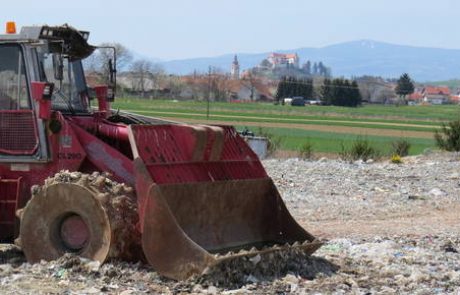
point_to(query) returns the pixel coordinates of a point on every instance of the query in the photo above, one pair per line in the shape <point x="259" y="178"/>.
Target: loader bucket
<point x="203" y="193"/>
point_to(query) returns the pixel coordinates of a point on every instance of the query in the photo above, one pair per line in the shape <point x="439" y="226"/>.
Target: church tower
<point x="235" y="71"/>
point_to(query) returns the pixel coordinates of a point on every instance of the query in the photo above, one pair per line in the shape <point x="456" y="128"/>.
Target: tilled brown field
<point x="327" y="128"/>
<point x="387" y="228"/>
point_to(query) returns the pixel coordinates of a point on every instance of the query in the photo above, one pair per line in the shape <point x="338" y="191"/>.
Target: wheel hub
<point x="74" y="232"/>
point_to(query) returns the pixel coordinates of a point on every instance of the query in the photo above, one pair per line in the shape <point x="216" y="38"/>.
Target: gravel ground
<point x="387" y="229"/>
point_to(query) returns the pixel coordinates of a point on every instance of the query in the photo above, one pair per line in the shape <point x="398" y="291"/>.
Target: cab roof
<point x="61" y="39"/>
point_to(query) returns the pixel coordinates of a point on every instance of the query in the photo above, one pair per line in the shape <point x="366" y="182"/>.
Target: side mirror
<point x="58" y="66"/>
<point x="112" y="80"/>
<point x="112" y="71"/>
<point x="42" y="93"/>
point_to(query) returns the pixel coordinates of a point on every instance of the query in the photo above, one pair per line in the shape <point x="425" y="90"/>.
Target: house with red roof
<point x="416" y="97"/>
<point x="249" y="90"/>
<point x="436" y="94"/>
<point x="455" y="97"/>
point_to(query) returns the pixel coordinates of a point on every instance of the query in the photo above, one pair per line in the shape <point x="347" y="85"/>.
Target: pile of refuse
<point x="412" y="257"/>
<point x="397" y="264"/>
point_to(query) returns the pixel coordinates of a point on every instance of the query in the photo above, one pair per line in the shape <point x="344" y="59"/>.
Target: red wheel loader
<point x="112" y="185"/>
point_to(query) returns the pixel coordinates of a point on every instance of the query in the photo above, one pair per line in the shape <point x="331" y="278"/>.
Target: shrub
<point x="360" y="149"/>
<point x="449" y="137"/>
<point x="306" y="150"/>
<point x="400" y="147"/>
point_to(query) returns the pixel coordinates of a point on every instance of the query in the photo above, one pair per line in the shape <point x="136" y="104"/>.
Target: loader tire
<point x="88" y="215"/>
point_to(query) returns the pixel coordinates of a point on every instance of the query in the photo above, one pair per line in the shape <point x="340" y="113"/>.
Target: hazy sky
<point x="176" y="29"/>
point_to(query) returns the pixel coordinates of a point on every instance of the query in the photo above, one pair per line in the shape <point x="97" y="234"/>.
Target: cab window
<point x="70" y="92"/>
<point x="13" y="84"/>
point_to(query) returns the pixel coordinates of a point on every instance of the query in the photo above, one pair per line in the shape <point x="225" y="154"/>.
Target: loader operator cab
<point x="48" y="54"/>
<point x="43" y="54"/>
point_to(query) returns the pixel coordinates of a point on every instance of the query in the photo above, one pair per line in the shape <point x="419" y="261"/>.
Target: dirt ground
<point x="424" y="223"/>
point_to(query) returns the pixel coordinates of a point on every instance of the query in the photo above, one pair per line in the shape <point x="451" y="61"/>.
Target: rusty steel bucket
<point x="204" y="198"/>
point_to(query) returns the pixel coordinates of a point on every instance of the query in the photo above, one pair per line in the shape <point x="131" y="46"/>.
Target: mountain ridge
<point x="348" y="59"/>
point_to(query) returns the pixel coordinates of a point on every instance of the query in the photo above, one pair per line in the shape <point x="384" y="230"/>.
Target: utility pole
<point x="209" y="93"/>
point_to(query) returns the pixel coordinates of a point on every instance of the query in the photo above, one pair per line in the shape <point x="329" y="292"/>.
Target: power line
<point x="337" y="86"/>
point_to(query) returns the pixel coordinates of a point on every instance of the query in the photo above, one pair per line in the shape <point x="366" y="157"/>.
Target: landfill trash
<point x="387" y="230"/>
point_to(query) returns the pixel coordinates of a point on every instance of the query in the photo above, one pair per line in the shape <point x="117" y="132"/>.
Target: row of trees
<point x="341" y="92"/>
<point x="344" y="92"/>
<point x="291" y="87"/>
<point x="316" y="69"/>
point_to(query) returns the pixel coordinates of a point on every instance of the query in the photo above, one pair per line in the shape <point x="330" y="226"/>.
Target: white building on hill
<point x="278" y="60"/>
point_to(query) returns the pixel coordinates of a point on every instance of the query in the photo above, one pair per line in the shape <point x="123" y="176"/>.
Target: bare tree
<point x="140" y="74"/>
<point x="157" y="73"/>
<point x="251" y="79"/>
<point x="145" y="75"/>
<point x="375" y="89"/>
<point x="218" y="84"/>
<point x="124" y="56"/>
<point x="175" y="85"/>
<point x="198" y="86"/>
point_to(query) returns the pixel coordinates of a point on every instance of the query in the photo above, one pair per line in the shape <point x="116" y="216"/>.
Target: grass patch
<point x="360" y="149"/>
<point x="290" y="120"/>
<point x="423" y="113"/>
<point x="400" y="147"/>
<point x="420" y="118"/>
<point x="274" y="141"/>
<point x="329" y="142"/>
<point x="306" y="150"/>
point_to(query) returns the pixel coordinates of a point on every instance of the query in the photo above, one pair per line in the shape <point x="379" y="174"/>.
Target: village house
<point x="455" y="97"/>
<point x="416" y="97"/>
<point x="432" y="95"/>
<point x="436" y="95"/>
<point x="244" y="90"/>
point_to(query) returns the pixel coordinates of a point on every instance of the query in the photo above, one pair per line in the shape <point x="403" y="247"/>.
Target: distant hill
<point x="357" y="58"/>
<point x="452" y="84"/>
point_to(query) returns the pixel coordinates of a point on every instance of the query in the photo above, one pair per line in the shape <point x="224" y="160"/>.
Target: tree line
<point x="292" y="87"/>
<point x="316" y="69"/>
<point x="341" y="92"/>
<point x="338" y="92"/>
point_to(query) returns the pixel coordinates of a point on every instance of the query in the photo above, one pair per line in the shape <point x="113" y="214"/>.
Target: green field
<point x="329" y="142"/>
<point x="326" y="127"/>
<point x="376" y="112"/>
